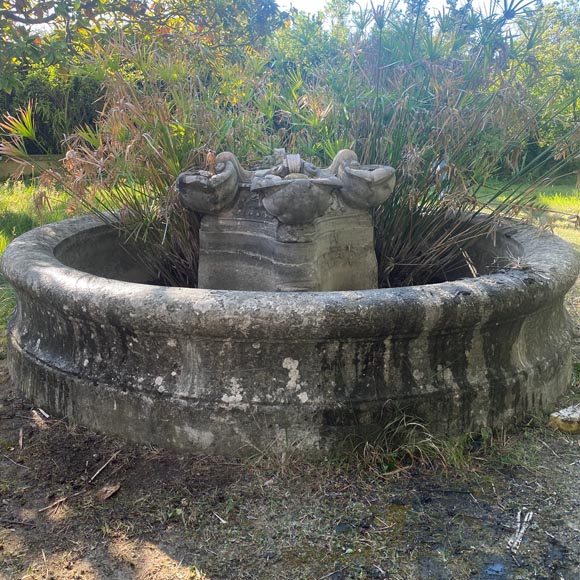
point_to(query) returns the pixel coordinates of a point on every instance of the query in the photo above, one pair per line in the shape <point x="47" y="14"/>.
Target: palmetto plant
<point x="445" y="103"/>
<point x="159" y="118"/>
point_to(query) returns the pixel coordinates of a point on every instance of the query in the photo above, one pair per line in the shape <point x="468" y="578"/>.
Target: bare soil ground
<point x="79" y="505"/>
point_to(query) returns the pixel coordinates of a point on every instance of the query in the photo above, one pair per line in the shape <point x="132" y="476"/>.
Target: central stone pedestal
<point x="293" y="227"/>
<point x="257" y="252"/>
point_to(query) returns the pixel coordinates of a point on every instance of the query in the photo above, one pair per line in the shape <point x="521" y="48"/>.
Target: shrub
<point x="62" y="103"/>
<point x="446" y="103"/>
<point x="158" y="119"/>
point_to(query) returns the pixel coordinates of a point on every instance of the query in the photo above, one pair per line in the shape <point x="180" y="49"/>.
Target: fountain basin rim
<point x="30" y="264"/>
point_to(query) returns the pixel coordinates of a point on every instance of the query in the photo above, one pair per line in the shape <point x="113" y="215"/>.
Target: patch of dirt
<point x="193" y="517"/>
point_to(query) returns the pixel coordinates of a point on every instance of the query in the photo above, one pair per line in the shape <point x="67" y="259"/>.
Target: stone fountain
<point x="287" y="341"/>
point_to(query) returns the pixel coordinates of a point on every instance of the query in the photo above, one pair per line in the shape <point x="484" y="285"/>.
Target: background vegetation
<point x="454" y="101"/>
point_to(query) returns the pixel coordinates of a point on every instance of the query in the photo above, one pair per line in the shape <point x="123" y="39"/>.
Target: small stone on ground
<point x="566" y="420"/>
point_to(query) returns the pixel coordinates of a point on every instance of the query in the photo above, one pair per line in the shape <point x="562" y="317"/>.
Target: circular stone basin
<point x="230" y="372"/>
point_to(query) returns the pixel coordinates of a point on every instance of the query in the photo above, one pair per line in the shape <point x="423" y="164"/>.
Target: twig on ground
<point x="388" y="474"/>
<point x="12" y="461"/>
<point x="17" y="523"/>
<point x="548" y="447"/>
<point x="521" y="527"/>
<point x="330" y="574"/>
<point x="384" y="526"/>
<point x="104" y="465"/>
<point x="59" y="502"/>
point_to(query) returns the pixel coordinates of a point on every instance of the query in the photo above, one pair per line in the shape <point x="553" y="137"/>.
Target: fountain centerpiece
<point x="288" y="341"/>
<point x="293" y="227"/>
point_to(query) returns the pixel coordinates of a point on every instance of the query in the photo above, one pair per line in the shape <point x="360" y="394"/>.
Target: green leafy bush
<point x="62" y="103"/>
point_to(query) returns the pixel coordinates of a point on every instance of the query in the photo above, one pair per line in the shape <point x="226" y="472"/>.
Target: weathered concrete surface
<point x="214" y="371"/>
<point x="293" y="227"/>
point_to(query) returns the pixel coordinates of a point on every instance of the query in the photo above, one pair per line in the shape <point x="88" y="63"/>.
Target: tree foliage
<point x="61" y="104"/>
<point x="557" y="61"/>
<point x="49" y="31"/>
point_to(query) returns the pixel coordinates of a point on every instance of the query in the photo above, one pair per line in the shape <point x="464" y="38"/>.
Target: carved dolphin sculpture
<point x="363" y="186"/>
<point x="295" y="192"/>
<point x="204" y="192"/>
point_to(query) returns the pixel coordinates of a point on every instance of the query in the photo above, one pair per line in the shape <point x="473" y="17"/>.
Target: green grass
<point x="560" y="197"/>
<point x="558" y="208"/>
<point x="21" y="209"/>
